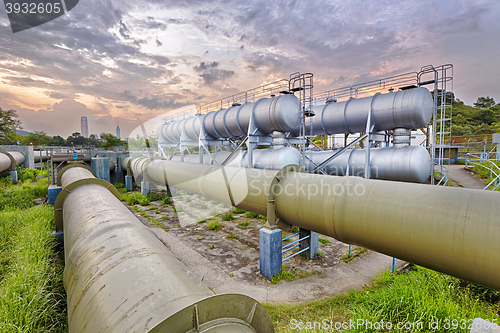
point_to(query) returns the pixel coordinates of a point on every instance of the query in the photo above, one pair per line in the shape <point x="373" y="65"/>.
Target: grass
<point x="232" y="236"/>
<point x="251" y="215"/>
<point x="355" y="252"/>
<point x="244" y="224"/>
<point x="31" y="294"/>
<point x="23" y="194"/>
<point x="283" y="276"/>
<point x="237" y="210"/>
<point x="323" y="241"/>
<point x="214" y="225"/>
<point x="204" y="206"/>
<point x="134" y="198"/>
<point x="418" y="295"/>
<point x="228" y="217"/>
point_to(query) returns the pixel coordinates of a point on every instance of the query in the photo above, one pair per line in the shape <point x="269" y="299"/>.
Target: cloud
<point x="211" y="74"/>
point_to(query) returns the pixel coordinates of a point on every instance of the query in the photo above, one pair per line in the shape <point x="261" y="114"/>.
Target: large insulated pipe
<point x="452" y="230"/>
<point x="280" y="113"/>
<point x="9" y="160"/>
<point x="408" y="164"/>
<point x="120" y="278"/>
<point x="403" y="109"/>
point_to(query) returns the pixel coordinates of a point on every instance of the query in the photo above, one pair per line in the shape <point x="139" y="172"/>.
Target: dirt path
<point x="464" y="178"/>
<point x="231" y="265"/>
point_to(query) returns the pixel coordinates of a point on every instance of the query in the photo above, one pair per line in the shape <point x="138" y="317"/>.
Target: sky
<point x="130" y="62"/>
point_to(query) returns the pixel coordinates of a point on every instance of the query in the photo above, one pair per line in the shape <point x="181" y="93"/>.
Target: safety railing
<point x="493" y="168"/>
<point x="293" y="245"/>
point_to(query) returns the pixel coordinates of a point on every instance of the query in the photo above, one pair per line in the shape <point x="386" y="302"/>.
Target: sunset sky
<point x="126" y="62"/>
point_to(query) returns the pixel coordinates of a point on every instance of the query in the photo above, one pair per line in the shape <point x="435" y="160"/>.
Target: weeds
<point x="244" y="224"/>
<point x="251" y="215"/>
<point x="237" y="210"/>
<point x="323" y="241"/>
<point x="214" y="225"/>
<point x="228" y="217"/>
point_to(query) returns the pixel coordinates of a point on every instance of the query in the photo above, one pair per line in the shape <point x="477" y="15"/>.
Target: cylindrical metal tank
<point x="403" y="109"/>
<point x="451" y="230"/>
<point x="112" y="166"/>
<point x="271" y="158"/>
<point x="120" y="278"/>
<point x="280" y="113"/>
<point x="408" y="164"/>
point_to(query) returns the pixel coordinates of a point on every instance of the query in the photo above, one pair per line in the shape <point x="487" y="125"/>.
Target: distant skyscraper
<point x="85" y="127"/>
<point x="117" y="131"/>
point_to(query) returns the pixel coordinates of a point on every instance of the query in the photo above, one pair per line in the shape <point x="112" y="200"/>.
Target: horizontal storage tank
<point x="271" y="158"/>
<point x="403" y="109"/>
<point x="280" y="113"/>
<point x="408" y="164"/>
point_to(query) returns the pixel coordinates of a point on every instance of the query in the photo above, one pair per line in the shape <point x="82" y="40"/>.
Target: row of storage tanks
<point x="406" y="109"/>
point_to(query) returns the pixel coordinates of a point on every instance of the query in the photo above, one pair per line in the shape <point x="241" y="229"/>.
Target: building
<point x="117" y="131"/>
<point x="85" y="127"/>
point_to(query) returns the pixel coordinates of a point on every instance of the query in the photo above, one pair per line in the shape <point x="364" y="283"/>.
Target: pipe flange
<point x="72" y="165"/>
<point x="58" y="205"/>
<point x="13" y="162"/>
<point x="272" y="218"/>
<point x="239" y="313"/>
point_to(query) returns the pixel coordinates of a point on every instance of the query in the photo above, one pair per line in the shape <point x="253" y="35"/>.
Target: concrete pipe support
<point x="120" y="278"/>
<point x="451" y="230"/>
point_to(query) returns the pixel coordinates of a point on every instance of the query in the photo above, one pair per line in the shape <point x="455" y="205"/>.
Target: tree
<point x="76" y="139"/>
<point x="38" y="138"/>
<point x="57" y="141"/>
<point x="111" y="140"/>
<point x="8" y="125"/>
<point x="484" y="103"/>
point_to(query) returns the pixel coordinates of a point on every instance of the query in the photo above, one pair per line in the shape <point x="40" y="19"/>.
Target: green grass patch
<point x="214" y="225"/>
<point x="420" y="295"/>
<point x="237" y="210"/>
<point x="251" y="215"/>
<point x="134" y="198"/>
<point x="283" y="276"/>
<point x="244" y="224"/>
<point x="228" y="217"/>
<point x="232" y="236"/>
<point x="22" y="196"/>
<point x="323" y="240"/>
<point x="31" y="294"/>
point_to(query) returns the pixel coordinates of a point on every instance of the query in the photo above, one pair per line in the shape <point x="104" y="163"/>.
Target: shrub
<point x="251" y="215"/>
<point x="214" y="225"/>
<point x="119" y="185"/>
<point x="27" y="174"/>
<point x="228" y="217"/>
<point x="166" y="201"/>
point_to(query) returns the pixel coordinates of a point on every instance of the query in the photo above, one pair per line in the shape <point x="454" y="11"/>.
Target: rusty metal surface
<point x="120" y="278"/>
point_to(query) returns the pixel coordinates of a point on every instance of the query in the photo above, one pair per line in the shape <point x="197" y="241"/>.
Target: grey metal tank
<point x="280" y="113"/>
<point x="408" y="164"/>
<point x="403" y="109"/>
<point x="7" y="158"/>
<point x="271" y="158"/>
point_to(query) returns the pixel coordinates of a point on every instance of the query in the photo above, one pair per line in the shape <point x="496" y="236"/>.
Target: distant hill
<point x="23" y="133"/>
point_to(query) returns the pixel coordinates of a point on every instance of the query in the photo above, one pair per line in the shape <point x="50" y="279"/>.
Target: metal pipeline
<point x="120" y="278"/>
<point x="9" y="160"/>
<point x="451" y="230"/>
